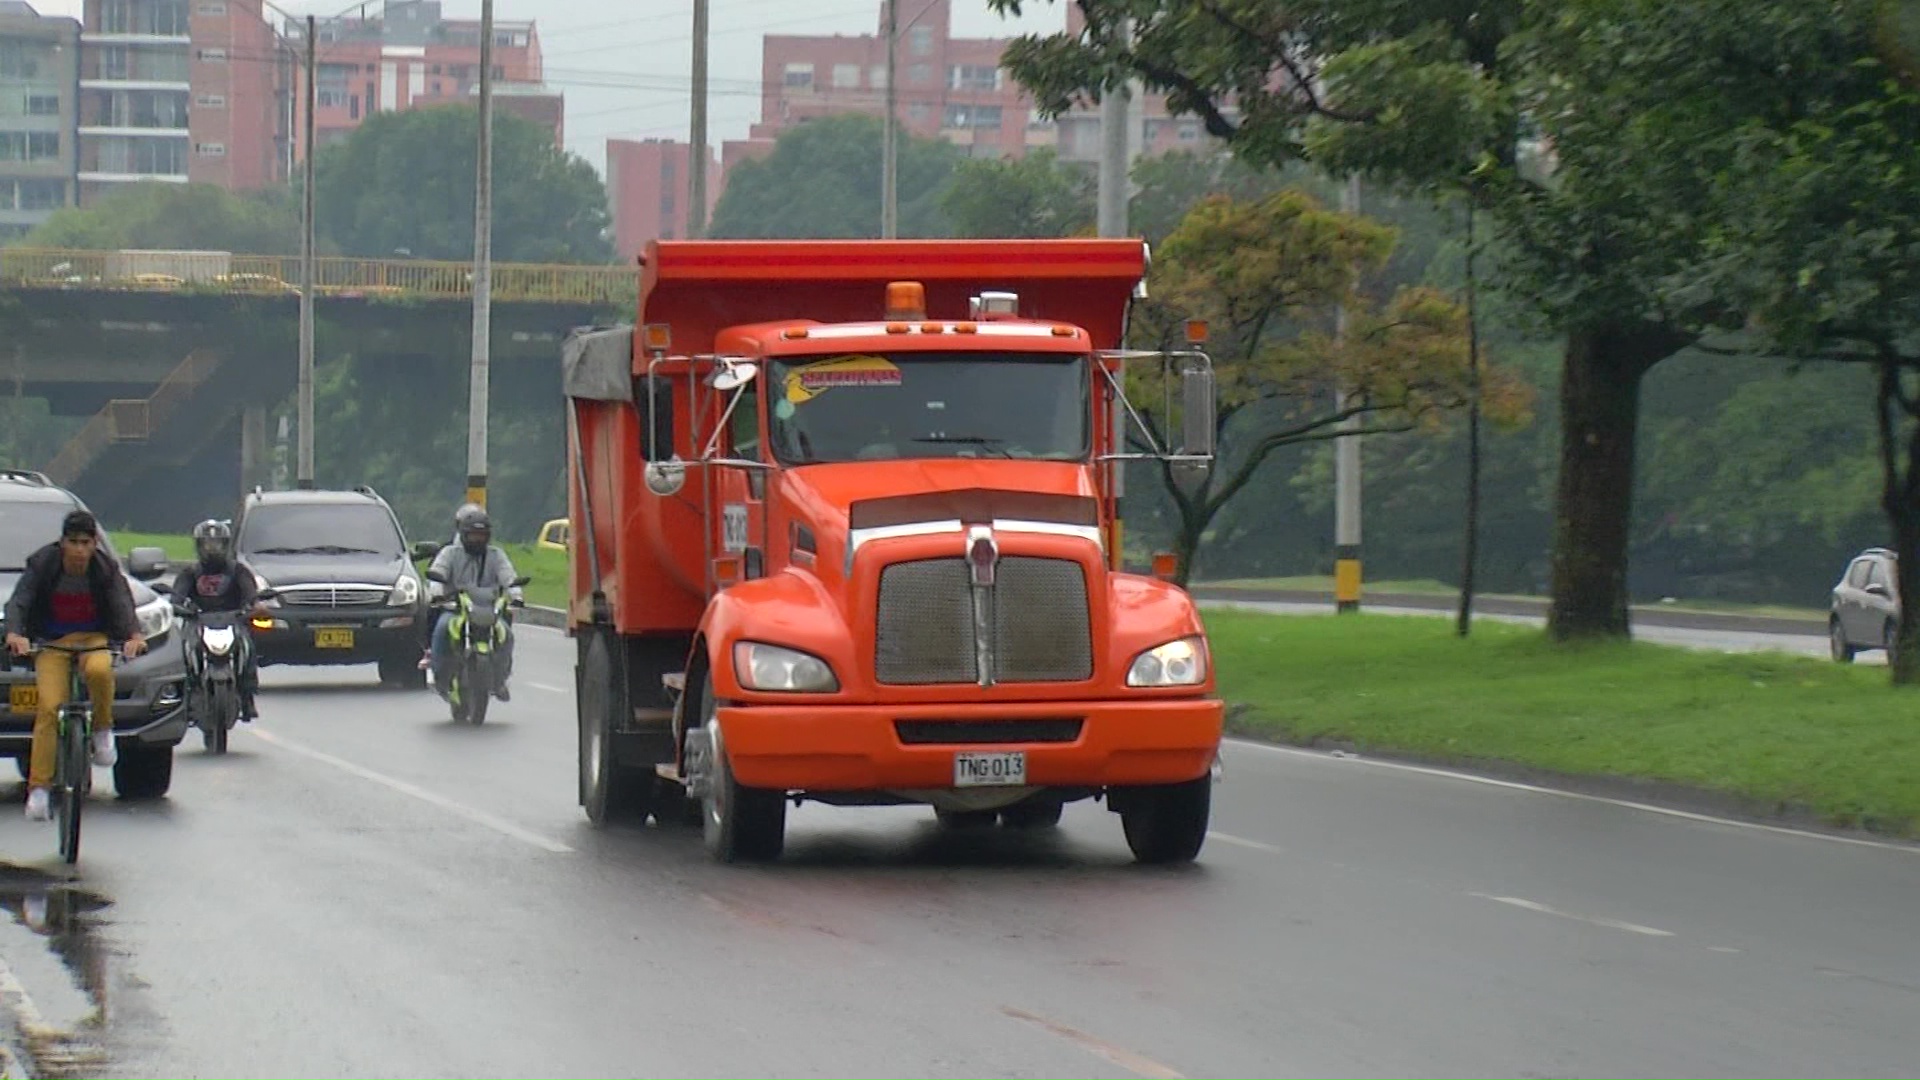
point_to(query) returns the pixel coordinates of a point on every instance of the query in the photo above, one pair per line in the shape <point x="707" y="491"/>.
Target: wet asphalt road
<point x="361" y="889"/>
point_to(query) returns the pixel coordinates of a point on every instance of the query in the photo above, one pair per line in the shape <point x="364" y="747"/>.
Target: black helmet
<point x="475" y="529"/>
<point x="213" y="542"/>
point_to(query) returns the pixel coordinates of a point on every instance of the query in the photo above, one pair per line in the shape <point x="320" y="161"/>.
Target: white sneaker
<point x="37" y="806"/>
<point x="103" y="753"/>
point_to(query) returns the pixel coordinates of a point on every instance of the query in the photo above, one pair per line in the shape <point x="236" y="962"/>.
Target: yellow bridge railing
<point x="268" y="275"/>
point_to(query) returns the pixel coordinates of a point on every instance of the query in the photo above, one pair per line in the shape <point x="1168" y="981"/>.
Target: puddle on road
<point x="52" y="950"/>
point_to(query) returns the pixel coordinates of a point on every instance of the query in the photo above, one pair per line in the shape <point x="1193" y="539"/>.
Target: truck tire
<point x="965" y="819"/>
<point x="608" y="792"/>
<point x="143" y="772"/>
<point x="740" y="824"/>
<point x="1167" y="823"/>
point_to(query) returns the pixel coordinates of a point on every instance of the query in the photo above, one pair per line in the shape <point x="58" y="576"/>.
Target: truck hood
<point x="876" y="494"/>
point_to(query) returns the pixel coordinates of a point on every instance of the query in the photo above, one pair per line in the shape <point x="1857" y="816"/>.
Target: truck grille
<point x="333" y="595"/>
<point x="1039" y="618"/>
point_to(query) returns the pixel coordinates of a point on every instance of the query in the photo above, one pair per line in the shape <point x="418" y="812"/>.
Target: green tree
<point x="1445" y="97"/>
<point x="1033" y="196"/>
<point x="823" y="181"/>
<point x="406" y="180"/>
<point x="1267" y="275"/>
<point x="175" y="217"/>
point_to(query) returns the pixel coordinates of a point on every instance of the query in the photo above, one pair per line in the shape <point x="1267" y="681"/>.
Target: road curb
<point x="1641" y="614"/>
<point x="551" y="618"/>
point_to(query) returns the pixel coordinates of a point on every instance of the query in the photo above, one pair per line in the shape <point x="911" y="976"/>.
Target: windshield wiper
<point x="982" y="441"/>
<point x="318" y="549"/>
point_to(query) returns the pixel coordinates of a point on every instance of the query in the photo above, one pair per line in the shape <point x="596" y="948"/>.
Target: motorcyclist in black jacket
<point x="216" y="581"/>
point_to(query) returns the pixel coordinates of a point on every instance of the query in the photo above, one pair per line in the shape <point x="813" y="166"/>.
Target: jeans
<point x="51" y="672"/>
<point x="441" y="650"/>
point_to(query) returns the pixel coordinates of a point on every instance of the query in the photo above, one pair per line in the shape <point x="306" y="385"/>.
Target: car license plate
<point x="23" y="699"/>
<point x="333" y="638"/>
<point x="999" y="769"/>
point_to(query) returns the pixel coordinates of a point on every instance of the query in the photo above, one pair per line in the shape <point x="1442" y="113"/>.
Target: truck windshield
<point x="879" y="407"/>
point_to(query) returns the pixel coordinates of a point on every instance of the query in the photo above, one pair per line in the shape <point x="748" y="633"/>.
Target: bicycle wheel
<point x="71" y="773"/>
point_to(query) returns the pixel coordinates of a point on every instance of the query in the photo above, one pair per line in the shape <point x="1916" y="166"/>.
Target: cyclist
<point x="72" y="595"/>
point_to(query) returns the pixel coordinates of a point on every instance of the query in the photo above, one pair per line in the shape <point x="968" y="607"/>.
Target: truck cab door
<point x="740" y="524"/>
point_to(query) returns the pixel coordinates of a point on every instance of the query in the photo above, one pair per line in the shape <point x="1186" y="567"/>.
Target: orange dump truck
<point x="845" y="529"/>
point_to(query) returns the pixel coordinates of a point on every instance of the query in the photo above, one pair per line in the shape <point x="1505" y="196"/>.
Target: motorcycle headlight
<point x="156" y="618"/>
<point x="772" y="668"/>
<point x="1177" y="663"/>
<point x="406" y="592"/>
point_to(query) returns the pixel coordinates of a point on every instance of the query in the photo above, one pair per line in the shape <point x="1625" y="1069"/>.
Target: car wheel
<point x="1837" y="639"/>
<point x="402" y="673"/>
<point x="1892" y="638"/>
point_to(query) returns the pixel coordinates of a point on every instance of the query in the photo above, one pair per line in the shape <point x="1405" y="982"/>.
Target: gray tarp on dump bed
<point x="598" y="365"/>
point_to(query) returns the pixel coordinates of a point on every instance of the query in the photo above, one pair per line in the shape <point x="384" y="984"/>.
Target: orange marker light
<point x="898" y="328"/>
<point x="932" y="328"/>
<point x="1063" y="331"/>
<point x="1196" y="331"/>
<point x="656" y="337"/>
<point x="906" y="300"/>
<point x="1165" y="565"/>
<point x="794" y="333"/>
<point x="965" y="328"/>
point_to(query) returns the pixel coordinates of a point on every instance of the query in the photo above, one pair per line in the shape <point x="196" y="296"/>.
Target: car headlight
<point x="1177" y="663"/>
<point x="405" y="591"/>
<point x="772" y="668"/>
<point x="156" y="617"/>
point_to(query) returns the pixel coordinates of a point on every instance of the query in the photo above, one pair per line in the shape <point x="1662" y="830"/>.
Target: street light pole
<point x="889" y="139"/>
<point x="478" y="396"/>
<point x="1346" y="466"/>
<point x="1116" y="143"/>
<point x="309" y="96"/>
<point x="697" y="167"/>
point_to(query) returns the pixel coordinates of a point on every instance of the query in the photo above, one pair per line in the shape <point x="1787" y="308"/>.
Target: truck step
<point x="652" y="718"/>
<point x="675" y="681"/>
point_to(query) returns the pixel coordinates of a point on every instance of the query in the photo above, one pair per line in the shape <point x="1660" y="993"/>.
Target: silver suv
<point x="1866" y="605"/>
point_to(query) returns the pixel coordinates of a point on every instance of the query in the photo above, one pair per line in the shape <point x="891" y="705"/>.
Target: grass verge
<point x="1781" y="731"/>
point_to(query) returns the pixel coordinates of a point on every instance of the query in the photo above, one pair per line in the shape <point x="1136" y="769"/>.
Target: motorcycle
<point x="477" y="634"/>
<point x="216" y="654"/>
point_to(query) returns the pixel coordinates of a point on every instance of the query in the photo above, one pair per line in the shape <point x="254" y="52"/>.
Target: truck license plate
<point x="23" y="699"/>
<point x="1000" y="769"/>
<point x="331" y="638"/>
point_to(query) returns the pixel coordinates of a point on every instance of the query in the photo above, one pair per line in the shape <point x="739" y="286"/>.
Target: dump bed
<point x="647" y="548"/>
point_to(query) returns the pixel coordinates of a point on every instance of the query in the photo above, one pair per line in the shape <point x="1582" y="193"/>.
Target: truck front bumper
<point x="892" y="747"/>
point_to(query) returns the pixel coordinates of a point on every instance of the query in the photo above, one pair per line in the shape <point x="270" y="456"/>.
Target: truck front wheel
<point x="1167" y="823"/>
<point x="741" y="824"/>
<point x="608" y="792"/>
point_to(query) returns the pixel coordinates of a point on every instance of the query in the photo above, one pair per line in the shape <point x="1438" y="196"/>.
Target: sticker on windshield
<point x="806" y="383"/>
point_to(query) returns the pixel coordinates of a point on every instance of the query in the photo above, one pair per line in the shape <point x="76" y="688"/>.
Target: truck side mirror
<point x="653" y="402"/>
<point x="1197" y="408"/>
<point x="146" y="563"/>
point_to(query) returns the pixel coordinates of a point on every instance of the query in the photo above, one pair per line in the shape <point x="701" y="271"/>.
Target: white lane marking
<point x="1611" y="924"/>
<point x="550" y="689"/>
<point x="1241" y="841"/>
<point x="1514" y="785"/>
<point x="1119" y="1055"/>
<point x="478" y="817"/>
<point x="1727" y="949"/>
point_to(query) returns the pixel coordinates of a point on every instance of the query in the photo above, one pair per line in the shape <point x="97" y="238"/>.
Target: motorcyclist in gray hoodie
<point x="474" y="561"/>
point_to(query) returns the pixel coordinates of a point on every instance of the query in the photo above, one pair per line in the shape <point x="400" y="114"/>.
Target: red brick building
<point x="411" y="56"/>
<point x="949" y="87"/>
<point x="647" y="186"/>
<point x="178" y="91"/>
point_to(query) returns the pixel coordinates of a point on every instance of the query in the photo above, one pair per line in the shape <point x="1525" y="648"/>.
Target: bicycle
<point x="73" y="765"/>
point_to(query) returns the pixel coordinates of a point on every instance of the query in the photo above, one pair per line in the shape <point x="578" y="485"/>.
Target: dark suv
<point x="149" y="717"/>
<point x="348" y="592"/>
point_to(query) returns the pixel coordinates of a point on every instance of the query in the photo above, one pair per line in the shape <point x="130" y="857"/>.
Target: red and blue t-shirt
<point x="72" y="608"/>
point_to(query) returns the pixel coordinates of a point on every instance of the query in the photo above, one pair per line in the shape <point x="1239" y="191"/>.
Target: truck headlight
<point x="156" y="618"/>
<point x="1177" y="663"/>
<point x="772" y="668"/>
<point x="405" y="591"/>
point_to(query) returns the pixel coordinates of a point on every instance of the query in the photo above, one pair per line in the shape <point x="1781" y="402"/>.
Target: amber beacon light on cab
<point x="845" y="528"/>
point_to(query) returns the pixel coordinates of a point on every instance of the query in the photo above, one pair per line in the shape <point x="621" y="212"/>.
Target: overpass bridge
<point x="177" y="361"/>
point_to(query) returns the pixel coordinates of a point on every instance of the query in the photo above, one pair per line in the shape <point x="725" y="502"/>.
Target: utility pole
<point x="1346" y="466"/>
<point x="310" y="97"/>
<point x="697" y="169"/>
<point x="890" y="134"/>
<point x="1116" y="145"/>
<point x="478" y="395"/>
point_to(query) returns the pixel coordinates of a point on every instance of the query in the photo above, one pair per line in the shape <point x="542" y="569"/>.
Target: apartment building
<point x="410" y="56"/>
<point x="39" y="88"/>
<point x="174" y="91"/>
